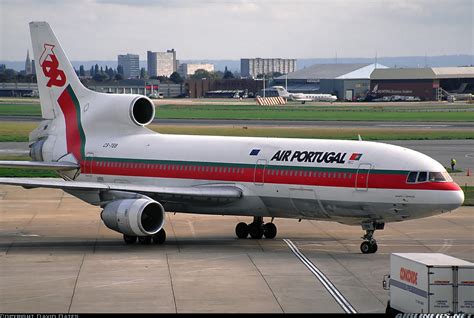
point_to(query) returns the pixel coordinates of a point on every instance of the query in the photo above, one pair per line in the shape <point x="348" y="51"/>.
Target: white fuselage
<point x="313" y="97"/>
<point x="279" y="177"/>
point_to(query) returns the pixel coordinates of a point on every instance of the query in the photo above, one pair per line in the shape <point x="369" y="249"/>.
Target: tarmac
<point x="57" y="256"/>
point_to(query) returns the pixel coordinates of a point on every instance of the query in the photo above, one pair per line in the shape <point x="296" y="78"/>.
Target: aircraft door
<point x="362" y="177"/>
<point x="259" y="172"/>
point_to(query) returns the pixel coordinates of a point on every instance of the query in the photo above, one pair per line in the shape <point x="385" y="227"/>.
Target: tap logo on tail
<point x="49" y="63"/>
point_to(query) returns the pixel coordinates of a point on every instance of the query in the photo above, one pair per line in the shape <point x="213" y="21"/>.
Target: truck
<point x="429" y="283"/>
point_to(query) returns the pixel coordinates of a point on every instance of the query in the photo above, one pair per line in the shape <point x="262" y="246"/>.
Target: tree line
<point x="100" y="74"/>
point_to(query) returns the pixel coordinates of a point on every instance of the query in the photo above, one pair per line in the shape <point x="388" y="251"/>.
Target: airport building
<point x="197" y="88"/>
<point x="346" y="81"/>
<point x="433" y="83"/>
<point x="251" y="68"/>
<point x="148" y="87"/>
<point x="161" y="63"/>
<point x="130" y="65"/>
<point x="187" y="69"/>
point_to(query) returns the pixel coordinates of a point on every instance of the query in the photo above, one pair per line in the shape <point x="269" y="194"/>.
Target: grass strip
<point x="18" y="131"/>
<point x="376" y="112"/>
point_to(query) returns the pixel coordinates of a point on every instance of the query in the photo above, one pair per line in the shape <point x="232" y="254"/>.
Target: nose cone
<point x="455" y="200"/>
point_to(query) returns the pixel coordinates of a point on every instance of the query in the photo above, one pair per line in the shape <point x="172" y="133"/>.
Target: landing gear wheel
<point x="160" y="237"/>
<point x="242" y="230"/>
<point x="365" y="247"/>
<point x="374" y="247"/>
<point x="145" y="240"/>
<point x="368" y="247"/>
<point x="129" y="239"/>
<point x="269" y="230"/>
<point x="255" y="230"/>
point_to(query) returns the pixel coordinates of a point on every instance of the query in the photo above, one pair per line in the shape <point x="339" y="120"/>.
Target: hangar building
<point x="346" y="81"/>
<point x="432" y="83"/>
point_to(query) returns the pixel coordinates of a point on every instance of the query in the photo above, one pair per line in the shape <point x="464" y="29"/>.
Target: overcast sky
<point x="232" y="29"/>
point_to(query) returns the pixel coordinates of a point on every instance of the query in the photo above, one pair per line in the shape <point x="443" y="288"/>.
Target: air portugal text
<point x="309" y="156"/>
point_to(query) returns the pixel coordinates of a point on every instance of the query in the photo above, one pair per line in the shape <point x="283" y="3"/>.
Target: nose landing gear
<point x="369" y="245"/>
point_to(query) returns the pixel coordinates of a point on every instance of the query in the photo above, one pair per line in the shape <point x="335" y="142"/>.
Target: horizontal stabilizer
<point x="58" y="166"/>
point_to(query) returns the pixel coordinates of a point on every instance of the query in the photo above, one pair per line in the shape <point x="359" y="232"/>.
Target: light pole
<point x="263" y="85"/>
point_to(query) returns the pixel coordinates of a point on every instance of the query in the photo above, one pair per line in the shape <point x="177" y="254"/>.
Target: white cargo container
<point x="430" y="283"/>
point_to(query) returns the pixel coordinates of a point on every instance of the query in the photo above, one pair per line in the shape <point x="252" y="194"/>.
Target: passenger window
<point x="422" y="176"/>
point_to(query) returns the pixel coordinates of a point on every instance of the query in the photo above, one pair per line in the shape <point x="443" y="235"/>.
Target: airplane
<point x="303" y="98"/>
<point x="106" y="156"/>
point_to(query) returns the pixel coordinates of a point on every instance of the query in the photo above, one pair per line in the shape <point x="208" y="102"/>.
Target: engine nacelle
<point x="36" y="150"/>
<point x="128" y="109"/>
<point x="136" y="217"/>
<point x="142" y="111"/>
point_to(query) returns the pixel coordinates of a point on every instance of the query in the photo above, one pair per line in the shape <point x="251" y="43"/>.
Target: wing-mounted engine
<point x="134" y="217"/>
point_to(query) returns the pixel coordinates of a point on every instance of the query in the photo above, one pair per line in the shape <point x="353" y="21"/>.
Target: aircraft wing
<point x="57" y="166"/>
<point x="222" y="193"/>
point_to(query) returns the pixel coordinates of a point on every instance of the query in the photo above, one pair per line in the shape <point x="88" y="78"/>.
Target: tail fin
<point x="54" y="72"/>
<point x="282" y="92"/>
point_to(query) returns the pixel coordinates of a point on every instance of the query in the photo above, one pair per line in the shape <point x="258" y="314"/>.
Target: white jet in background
<point x="100" y="146"/>
<point x="303" y="98"/>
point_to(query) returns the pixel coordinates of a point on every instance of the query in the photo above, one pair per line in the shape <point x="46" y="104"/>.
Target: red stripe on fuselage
<point x="238" y="174"/>
<point x="73" y="136"/>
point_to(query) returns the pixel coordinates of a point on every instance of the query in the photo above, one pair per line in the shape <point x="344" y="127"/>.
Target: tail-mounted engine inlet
<point x="142" y="111"/>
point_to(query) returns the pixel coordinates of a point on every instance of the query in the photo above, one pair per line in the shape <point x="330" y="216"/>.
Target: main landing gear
<point x="257" y="229"/>
<point x="369" y="245"/>
<point x="158" y="238"/>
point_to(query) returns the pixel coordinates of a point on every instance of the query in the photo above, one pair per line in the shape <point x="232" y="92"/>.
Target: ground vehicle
<point x="430" y="283"/>
<point x="156" y="96"/>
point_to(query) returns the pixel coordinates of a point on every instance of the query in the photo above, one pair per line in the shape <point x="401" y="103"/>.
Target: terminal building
<point x="426" y="84"/>
<point x="130" y="65"/>
<point x="161" y="63"/>
<point x="346" y="81"/>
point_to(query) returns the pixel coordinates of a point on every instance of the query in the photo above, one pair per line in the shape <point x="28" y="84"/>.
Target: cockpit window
<point x="412" y="177"/>
<point x="447" y="177"/>
<point x="436" y="177"/>
<point x="422" y="176"/>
